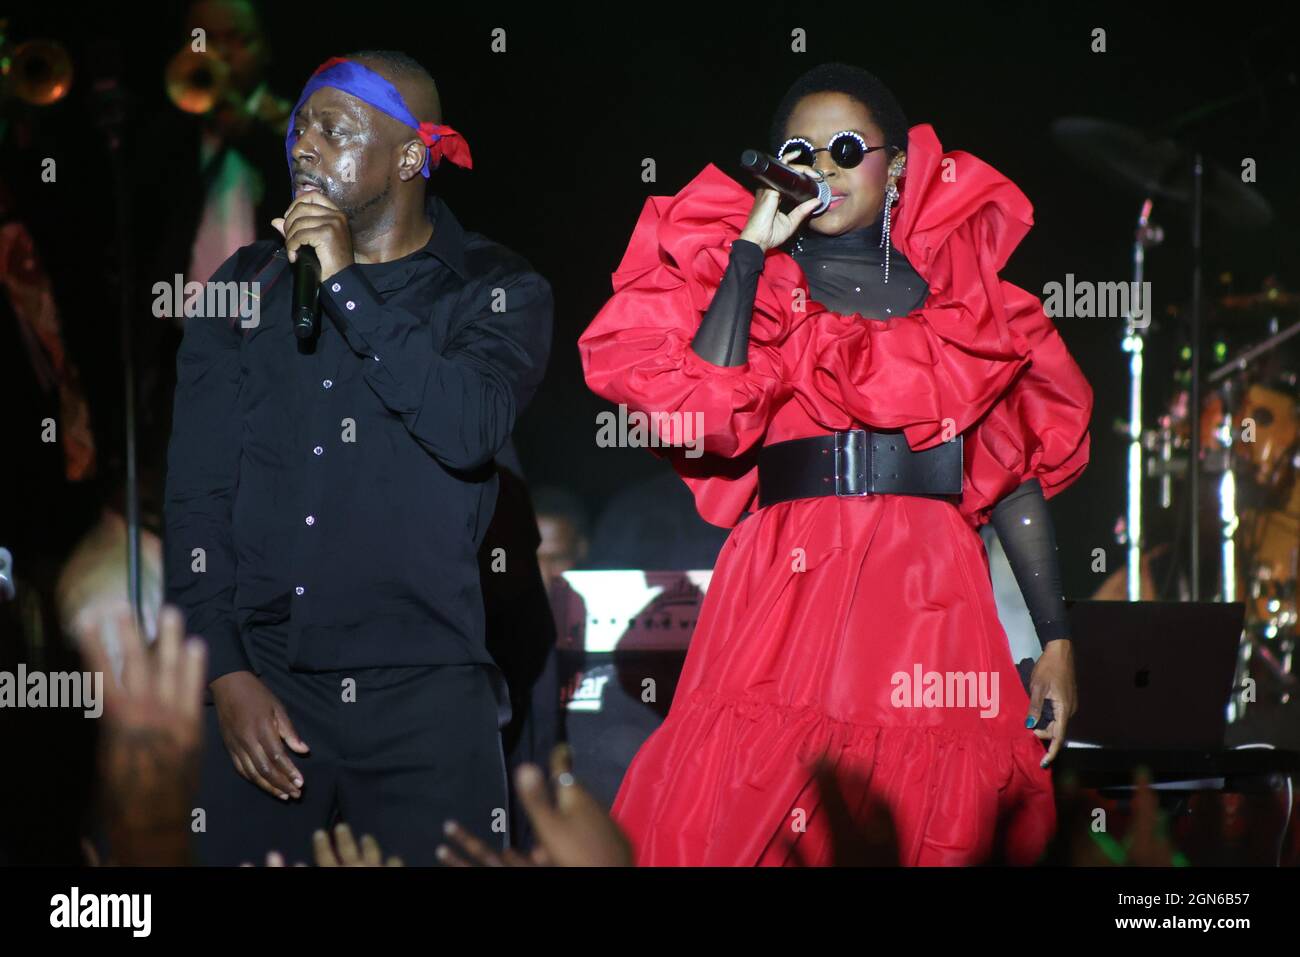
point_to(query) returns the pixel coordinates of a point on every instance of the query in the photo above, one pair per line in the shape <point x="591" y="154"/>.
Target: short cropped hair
<point x="853" y="81"/>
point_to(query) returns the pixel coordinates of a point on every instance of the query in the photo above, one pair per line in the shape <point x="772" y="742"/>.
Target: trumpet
<point x="199" y="82"/>
<point x="38" y="72"/>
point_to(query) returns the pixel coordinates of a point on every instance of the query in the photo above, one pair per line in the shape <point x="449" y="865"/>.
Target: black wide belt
<point x="857" y="462"/>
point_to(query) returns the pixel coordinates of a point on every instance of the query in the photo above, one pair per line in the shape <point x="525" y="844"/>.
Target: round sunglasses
<point x="846" y="147"/>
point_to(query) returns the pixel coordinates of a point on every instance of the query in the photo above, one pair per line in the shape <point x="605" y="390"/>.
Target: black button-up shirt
<point x="345" y="484"/>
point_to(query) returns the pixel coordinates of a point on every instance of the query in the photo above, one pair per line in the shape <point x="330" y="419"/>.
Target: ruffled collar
<point x="686" y="238"/>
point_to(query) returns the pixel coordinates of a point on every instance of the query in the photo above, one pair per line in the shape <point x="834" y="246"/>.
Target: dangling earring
<point x="891" y="197"/>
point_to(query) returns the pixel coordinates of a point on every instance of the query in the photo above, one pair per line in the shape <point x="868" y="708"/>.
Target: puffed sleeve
<point x="1039" y="430"/>
<point x="637" y="351"/>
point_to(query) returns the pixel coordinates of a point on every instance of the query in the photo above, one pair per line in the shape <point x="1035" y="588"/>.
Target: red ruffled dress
<point x="815" y="605"/>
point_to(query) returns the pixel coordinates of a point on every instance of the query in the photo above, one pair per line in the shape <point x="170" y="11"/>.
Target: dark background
<point x="560" y="123"/>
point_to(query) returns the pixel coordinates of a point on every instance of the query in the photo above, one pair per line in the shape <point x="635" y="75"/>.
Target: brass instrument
<point x="38" y="72"/>
<point x="197" y="82"/>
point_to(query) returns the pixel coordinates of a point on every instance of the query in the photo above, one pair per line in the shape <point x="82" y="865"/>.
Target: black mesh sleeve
<point x="1024" y="527"/>
<point x="723" y="336"/>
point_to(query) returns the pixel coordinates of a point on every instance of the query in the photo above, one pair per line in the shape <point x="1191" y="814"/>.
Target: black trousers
<point x="395" y="758"/>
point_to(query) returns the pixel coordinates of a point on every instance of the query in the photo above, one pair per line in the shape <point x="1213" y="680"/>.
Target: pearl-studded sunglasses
<point x="846" y="147"/>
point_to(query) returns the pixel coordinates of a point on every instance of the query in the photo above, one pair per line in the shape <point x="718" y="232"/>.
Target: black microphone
<point x="306" y="293"/>
<point x="790" y="183"/>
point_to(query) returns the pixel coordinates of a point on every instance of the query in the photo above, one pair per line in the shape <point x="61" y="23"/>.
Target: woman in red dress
<point x="847" y="389"/>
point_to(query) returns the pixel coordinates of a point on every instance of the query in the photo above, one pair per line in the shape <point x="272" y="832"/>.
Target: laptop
<point x="1153" y="674"/>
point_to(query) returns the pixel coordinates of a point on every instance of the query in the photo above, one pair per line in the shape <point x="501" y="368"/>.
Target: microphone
<point x="790" y="183"/>
<point x="306" y="293"/>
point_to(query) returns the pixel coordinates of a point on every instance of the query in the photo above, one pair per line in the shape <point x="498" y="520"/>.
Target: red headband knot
<point x="444" y="141"/>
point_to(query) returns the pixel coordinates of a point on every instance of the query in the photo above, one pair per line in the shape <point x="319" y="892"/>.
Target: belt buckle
<point x="852" y="463"/>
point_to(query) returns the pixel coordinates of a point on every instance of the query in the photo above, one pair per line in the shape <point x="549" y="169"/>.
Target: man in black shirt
<point x="326" y="497"/>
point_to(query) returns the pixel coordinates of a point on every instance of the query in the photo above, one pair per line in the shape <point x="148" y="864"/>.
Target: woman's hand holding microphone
<point x="768" y="227"/>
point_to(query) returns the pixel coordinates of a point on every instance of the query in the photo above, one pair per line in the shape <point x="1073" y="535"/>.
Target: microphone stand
<point x="1144" y="236"/>
<point x="110" y="112"/>
<point x="1194" y="410"/>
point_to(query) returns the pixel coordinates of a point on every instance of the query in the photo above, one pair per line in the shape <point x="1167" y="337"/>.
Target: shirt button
<point x="336" y="287"/>
<point x="350" y="304"/>
<point x="376" y="358"/>
<point x="299" y="590"/>
<point x="311" y="519"/>
<point x="327" y="383"/>
<point x="318" y="450"/>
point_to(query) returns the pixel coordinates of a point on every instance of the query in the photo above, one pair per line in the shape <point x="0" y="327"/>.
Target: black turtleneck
<point x="846" y="273"/>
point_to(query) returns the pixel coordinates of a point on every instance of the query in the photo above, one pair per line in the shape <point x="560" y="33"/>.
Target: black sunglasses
<point x="846" y="147"/>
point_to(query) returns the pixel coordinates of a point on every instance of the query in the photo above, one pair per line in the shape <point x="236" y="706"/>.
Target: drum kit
<point x="1233" y="408"/>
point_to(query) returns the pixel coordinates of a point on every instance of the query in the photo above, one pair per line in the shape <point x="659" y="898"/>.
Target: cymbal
<point x="1158" y="166"/>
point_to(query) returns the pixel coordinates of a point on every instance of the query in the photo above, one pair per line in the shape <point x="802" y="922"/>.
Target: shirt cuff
<point x="225" y="649"/>
<point x="354" y="305"/>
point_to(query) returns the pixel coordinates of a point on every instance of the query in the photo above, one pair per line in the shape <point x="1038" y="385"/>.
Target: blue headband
<point x="371" y="88"/>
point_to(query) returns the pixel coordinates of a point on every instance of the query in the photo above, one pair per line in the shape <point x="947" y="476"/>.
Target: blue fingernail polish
<point x="1029" y="721"/>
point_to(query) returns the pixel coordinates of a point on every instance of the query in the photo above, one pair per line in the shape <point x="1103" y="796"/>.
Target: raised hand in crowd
<point x="870" y="842"/>
<point x="572" y="829"/>
<point x="341" y="850"/>
<point x="1148" y="841"/>
<point x="150" y="738"/>
<point x="1081" y="841"/>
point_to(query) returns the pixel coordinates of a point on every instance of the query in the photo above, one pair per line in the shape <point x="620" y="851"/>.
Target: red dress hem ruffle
<point x="874" y="764"/>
